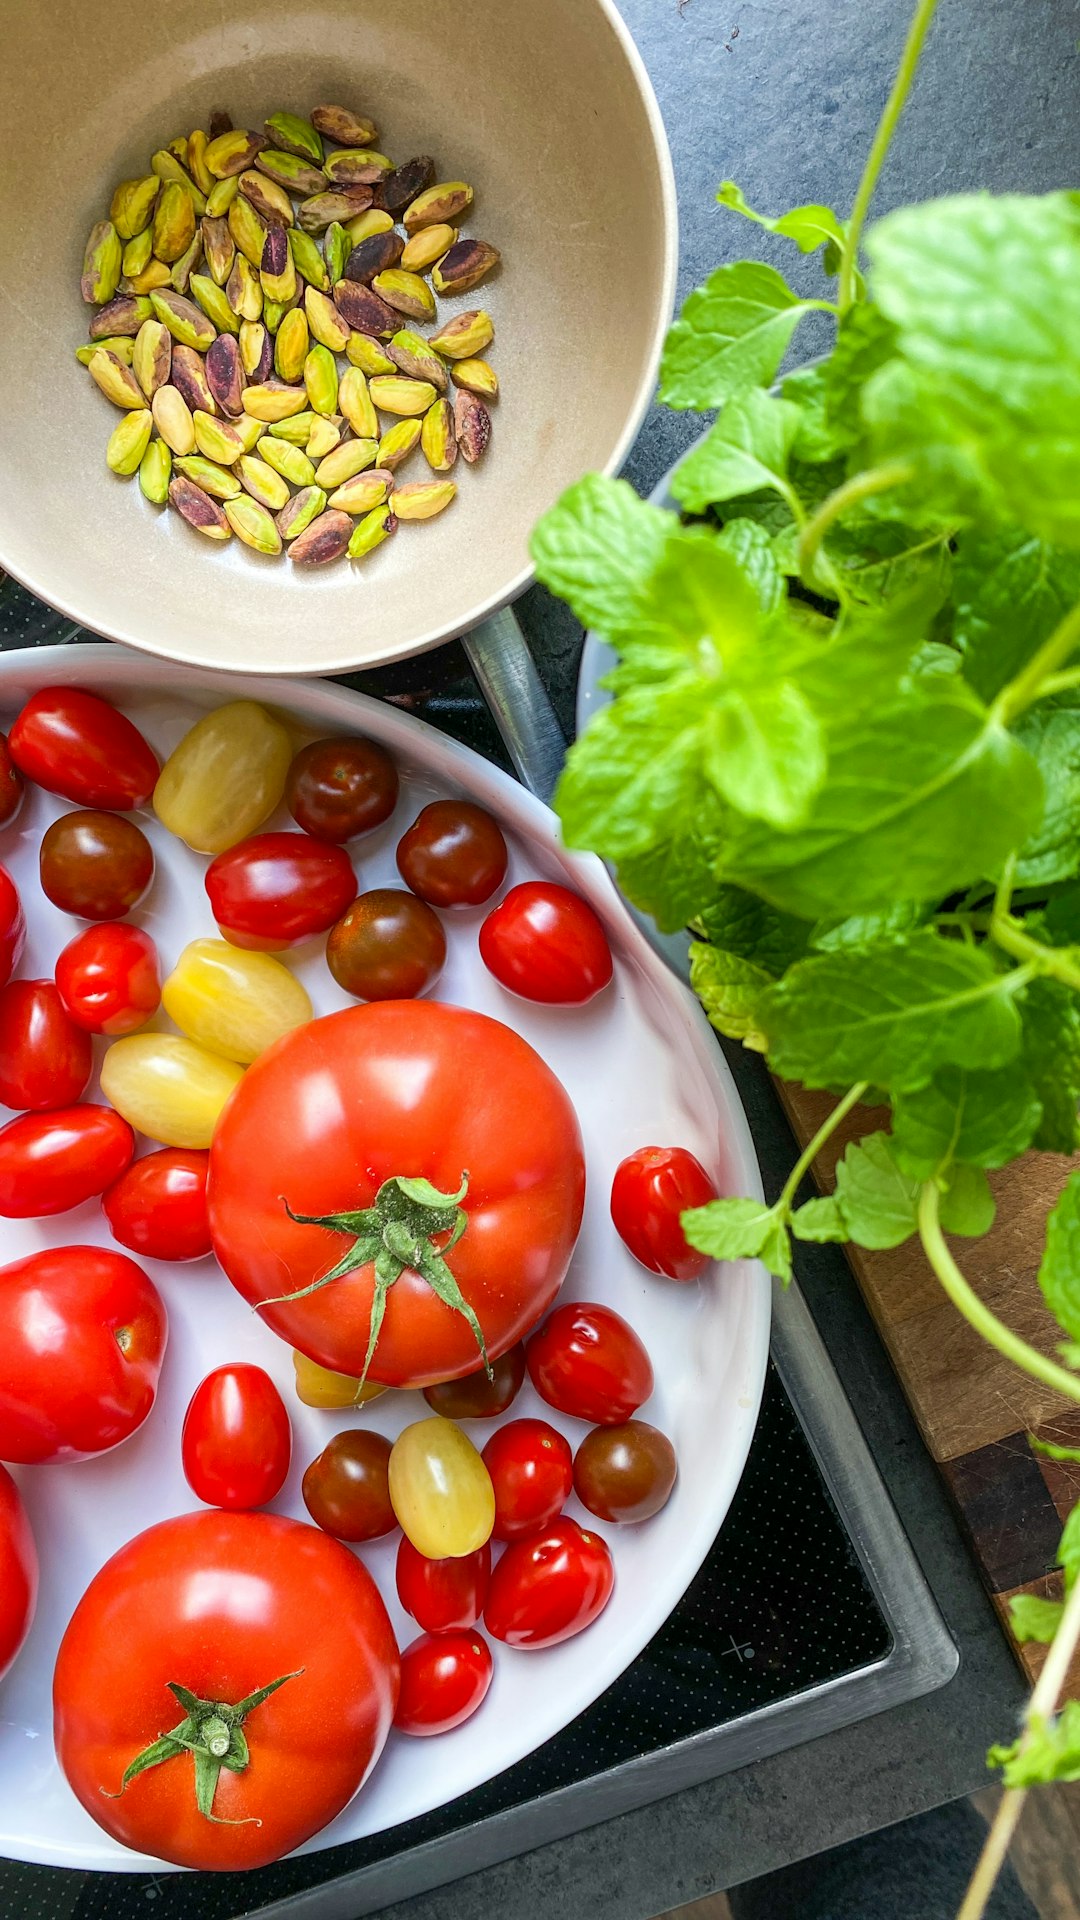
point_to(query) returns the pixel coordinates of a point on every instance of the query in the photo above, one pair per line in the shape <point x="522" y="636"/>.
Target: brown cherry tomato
<point x="12" y="787"/>
<point x="624" y="1473"/>
<point x="475" y="1397"/>
<point x="95" y="864"/>
<point x="453" y="855"/>
<point x="388" y="946"/>
<point x="337" y="788"/>
<point x="347" y="1489"/>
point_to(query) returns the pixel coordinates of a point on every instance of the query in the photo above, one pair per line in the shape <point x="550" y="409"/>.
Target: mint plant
<point x="844" y="745"/>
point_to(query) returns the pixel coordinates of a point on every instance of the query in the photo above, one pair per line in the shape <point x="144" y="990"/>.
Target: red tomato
<point x="77" y="745"/>
<point x="340" y="1110"/>
<point x="650" y="1191"/>
<point x="18" y="1572"/>
<point x="277" y="889"/>
<point x="12" y="789"/>
<point x="82" y="1334"/>
<point x="347" y="1486"/>
<point x="237" y="1441"/>
<point x="546" y="943"/>
<point x="532" y="1471"/>
<point x="45" y="1059"/>
<point x="158" y="1205"/>
<point x="225" y="1606"/>
<point x="51" y="1162"/>
<point x="94" y="865"/>
<point x="444" y="1678"/>
<point x="453" y="855"/>
<point x="109" y="978"/>
<point x="336" y="788"/>
<point x="441" y="1594"/>
<point x="585" y="1360"/>
<point x="549" y="1587"/>
<point x="478" y="1396"/>
<point x="12" y="927"/>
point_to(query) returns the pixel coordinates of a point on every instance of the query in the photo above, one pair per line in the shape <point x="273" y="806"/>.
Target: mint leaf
<point x="1059" y="1270"/>
<point x="749" y="546"/>
<point x="673" y="880"/>
<point x="878" y="560"/>
<point x="709" y="604"/>
<point x="730" y="990"/>
<point x="860" y="930"/>
<point x="815" y="437"/>
<point x="1049" y="1750"/>
<point x="740" y="1230"/>
<point x="597" y="547"/>
<point x="967" y="1204"/>
<point x="1051" y="734"/>
<point x="819" y="1220"/>
<point x="1068" y="1552"/>
<point x="745" y="451"/>
<point x="810" y="227"/>
<point x="635" y="775"/>
<point x="983" y="1119"/>
<point x="865" y="341"/>
<point x="1033" y="1618"/>
<point x="732" y="334"/>
<point x="765" y="753"/>
<point x="747" y="926"/>
<point x="893" y="1015"/>
<point x="877" y="1202"/>
<point x="1011" y="590"/>
<point x="1061" y="919"/>
<point x="1050" y="1060"/>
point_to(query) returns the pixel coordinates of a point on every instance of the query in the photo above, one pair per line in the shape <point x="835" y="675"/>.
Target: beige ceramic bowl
<point x="542" y="105"/>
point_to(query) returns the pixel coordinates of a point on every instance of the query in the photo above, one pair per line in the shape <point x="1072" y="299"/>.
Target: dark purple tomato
<point x="624" y="1473"/>
<point x="95" y="864"/>
<point x="453" y="855"/>
<point x="347" y="1486"/>
<point x="388" y="946"/>
<point x="475" y="1397"/>
<point x="338" y="788"/>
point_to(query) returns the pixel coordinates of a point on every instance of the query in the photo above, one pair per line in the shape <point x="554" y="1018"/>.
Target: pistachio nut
<point x="276" y="270"/>
<point x="128" y="442"/>
<point x="325" y="539"/>
<point x="216" y="439"/>
<point x="363" y="225"/>
<point x="263" y="484"/>
<point x="125" y="314"/>
<point x="371" y="531"/>
<point x="336" y="247"/>
<point x="132" y="206"/>
<point x="289" y="462"/>
<point x="296" y="430"/>
<point x="248" y="230"/>
<point x="356" y="167"/>
<point x="325" y="321"/>
<point x="437" y="437"/>
<point x="187" y="324"/>
<point x="291" y="346"/>
<point x="347" y="129"/>
<point x="243" y="289"/>
<point x="171" y="173"/>
<point x="324" y="436"/>
<point x="256" y="351"/>
<point x="180" y="277"/>
<point x="249" y="429"/>
<point x="118" y="343"/>
<point x="394" y="393"/>
<point x="318" y="212"/>
<point x="290" y="134"/>
<point x="102" y="262"/>
<point x="179" y="148"/>
<point x="407" y="293"/>
<point x="427" y="246"/>
<point x="300" y="511"/>
<point x="219" y="247"/>
<point x="472" y="424"/>
<point x="155" y="274"/>
<point x="214" y="302"/>
<point x="356" y="404"/>
<point x="352" y="456"/>
<point x="295" y="175"/>
<point x="363" y="491"/>
<point x="411" y="355"/>
<point x="463" y="337"/>
<point x="307" y="259"/>
<point x="439" y="206"/>
<point x="396" y="446"/>
<point x="152" y="356"/>
<point x="404" y="185"/>
<point x="220" y="122"/>
<point x="174" y="222"/>
<point x="270" y="201"/>
<point x="232" y="152"/>
<point x="476" y="377"/>
<point x="364" y="352"/>
<point x="321" y="379"/>
<point x="196" y="160"/>
<point x="155" y="472"/>
<point x="197" y="508"/>
<point x="374" y="255"/>
<point x="274" y="311"/>
<point x="117" y="381"/>
<point x="136" y="254"/>
<point x="221" y="196"/>
<point x="188" y="376"/>
<point x="273" y="400"/>
<point x="363" y="309"/>
<point x="172" y="418"/>
<point x="208" y="475"/>
<point x="423" y="499"/>
<point x="464" y="266"/>
<point x="225" y="374"/>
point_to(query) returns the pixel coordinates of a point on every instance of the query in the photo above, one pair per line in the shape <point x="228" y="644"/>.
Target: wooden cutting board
<point x="974" y="1408"/>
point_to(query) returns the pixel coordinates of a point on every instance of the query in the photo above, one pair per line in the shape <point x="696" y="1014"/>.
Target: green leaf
<point x="893" y="1014"/>
<point x="1033" y="1618"/>
<point x="877" y="1202"/>
<point x="859" y="930"/>
<point x="750" y="548"/>
<point x="967" y="1204"/>
<point x="765" y="754"/>
<point x="1051" y="734"/>
<point x="635" y="775"/>
<point x="816" y="439"/>
<point x="810" y="227"/>
<point x="1068" y="1553"/>
<point x="597" y="548"/>
<point x="1011" y="590"/>
<point x="983" y="1119"/>
<point x="746" y="926"/>
<point x="730" y="990"/>
<point x="1049" y="1750"/>
<point x="732" y="334"/>
<point x="745" y="451"/>
<point x="1050" y="1059"/>
<point x="819" y="1220"/>
<point x="1061" y="919"/>
<point x="740" y="1230"/>
<point x="673" y="880"/>
<point x="710" y="605"/>
<point x="865" y="341"/>
<point x="1059" y="1271"/>
<point x="878" y="560"/>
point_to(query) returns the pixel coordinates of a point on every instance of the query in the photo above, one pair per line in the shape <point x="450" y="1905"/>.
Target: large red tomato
<point x="212" y="1611"/>
<point x="18" y="1572"/>
<point x="330" y="1120"/>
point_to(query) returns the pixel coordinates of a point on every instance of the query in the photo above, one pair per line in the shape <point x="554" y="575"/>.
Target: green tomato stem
<point x="859" y="487"/>
<point x="1034" y="681"/>
<point x="886" y="127"/>
<point x="809" y="1154"/>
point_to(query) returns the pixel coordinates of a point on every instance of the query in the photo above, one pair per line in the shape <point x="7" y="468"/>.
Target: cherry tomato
<point x="549" y="1587"/>
<point x="441" y="1594"/>
<point x="12" y="927"/>
<point x="389" y="946"/>
<point x="168" y="1087"/>
<point x="158" y="1205"/>
<point x="475" y="1397"/>
<point x="585" y="1360"/>
<point x="235" y="1003"/>
<point x="441" y="1490"/>
<point x="532" y="1471"/>
<point x="277" y="889"/>
<point x="346" y="1488"/>
<point x="109" y="979"/>
<point x="50" y="1162"/>
<point x="82" y="1335"/>
<point x="444" y="1678"/>
<point x="651" y="1188"/>
<point x="18" y="1572"/>
<point x="321" y="1387"/>
<point x="237" y="1441"/>
<point x="624" y="1473"/>
<point x="45" y="1059"/>
<point x="225" y="778"/>
<point x="337" y="788"/>
<point x="453" y="855"/>
<point x="95" y="865"/>
<point x="75" y="744"/>
<point x="12" y="790"/>
<point x="546" y="943"/>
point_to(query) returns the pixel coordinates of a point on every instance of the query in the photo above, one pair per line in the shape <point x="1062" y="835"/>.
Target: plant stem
<point x="1029" y="684"/>
<point x="976" y="1312"/>
<point x="859" y="487"/>
<point x="1060" y="682"/>
<point x="886" y="127"/>
<point x="1008" y="934"/>
<point x="809" y="1153"/>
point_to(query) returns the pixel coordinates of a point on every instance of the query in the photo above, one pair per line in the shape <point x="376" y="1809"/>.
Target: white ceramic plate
<point x="641" y="1066"/>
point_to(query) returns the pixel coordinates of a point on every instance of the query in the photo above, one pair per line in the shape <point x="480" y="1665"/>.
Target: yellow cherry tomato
<point x="168" y="1087"/>
<point x="317" y="1387"/>
<point x="234" y="1002"/>
<point x="441" y="1490"/>
<point x="225" y="778"/>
